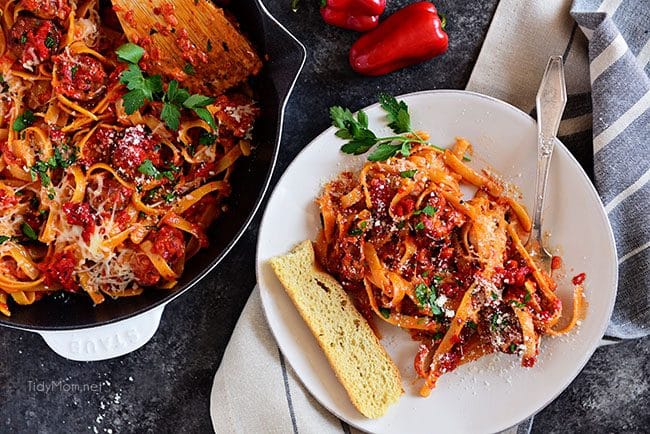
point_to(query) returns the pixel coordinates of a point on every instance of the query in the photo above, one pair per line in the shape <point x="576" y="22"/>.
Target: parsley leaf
<point x="361" y="139"/>
<point x="24" y="120"/>
<point x="419" y="226"/>
<point x="471" y="324"/>
<point x="147" y="168"/>
<point x="176" y="98"/>
<point x="133" y="101"/>
<point x="130" y="52"/>
<point x="385" y="312"/>
<point x="408" y="173"/>
<point x="174" y="94"/>
<point x="141" y="88"/>
<point x="428" y="210"/>
<point x="28" y="231"/>
<point x="397" y="113"/>
<point x="4" y="238"/>
<point x="206" y="116"/>
<point x="383" y="152"/>
<point x="171" y="115"/>
<point x="527" y="297"/>
<point x="207" y="139"/>
<point x="132" y="77"/>
<point x="195" y="101"/>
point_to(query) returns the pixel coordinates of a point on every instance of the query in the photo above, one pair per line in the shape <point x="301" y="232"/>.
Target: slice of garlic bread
<point x="361" y="364"/>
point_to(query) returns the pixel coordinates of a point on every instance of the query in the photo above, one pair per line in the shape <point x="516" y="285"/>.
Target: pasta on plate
<point x="109" y="176"/>
<point x="409" y="249"/>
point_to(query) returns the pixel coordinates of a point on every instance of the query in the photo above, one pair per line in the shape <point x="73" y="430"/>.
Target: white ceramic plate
<point x="493" y="393"/>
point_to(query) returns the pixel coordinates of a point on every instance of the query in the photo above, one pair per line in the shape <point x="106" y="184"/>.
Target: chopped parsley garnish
<point x="147" y="168"/>
<point x="385" y="312"/>
<point x="359" y="229"/>
<point x="419" y="226"/>
<point x="428" y="210"/>
<point x="28" y="231"/>
<point x="438" y="335"/>
<point x="58" y="160"/>
<point x="189" y="69"/>
<point x="426" y="297"/>
<point x="50" y="42"/>
<point x="493" y="295"/>
<point x="151" y="193"/>
<point x="4" y="238"/>
<point x="425" y="274"/>
<point x="527" y="297"/>
<point x="408" y="173"/>
<point x="24" y="120"/>
<point x="512" y="348"/>
<point x="23" y="38"/>
<point x="472" y="325"/>
<point x="39" y="169"/>
<point x="169" y="196"/>
<point x="73" y="70"/>
<point x="207" y="139"/>
<point x="517" y="303"/>
<point x="494" y="321"/>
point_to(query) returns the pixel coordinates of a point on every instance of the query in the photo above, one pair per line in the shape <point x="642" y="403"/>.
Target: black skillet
<point x="284" y="59"/>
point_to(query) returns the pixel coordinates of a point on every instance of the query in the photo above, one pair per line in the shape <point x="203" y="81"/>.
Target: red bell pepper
<point x="411" y="35"/>
<point x="359" y="15"/>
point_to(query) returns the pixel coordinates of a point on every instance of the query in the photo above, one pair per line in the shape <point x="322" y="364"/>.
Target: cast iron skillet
<point x="249" y="182"/>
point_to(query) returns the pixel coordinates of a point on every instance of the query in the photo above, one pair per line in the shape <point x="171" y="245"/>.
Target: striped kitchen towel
<point x="606" y="124"/>
<point x="255" y="390"/>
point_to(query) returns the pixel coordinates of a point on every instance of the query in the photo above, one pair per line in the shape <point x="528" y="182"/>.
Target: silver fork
<point x="551" y="100"/>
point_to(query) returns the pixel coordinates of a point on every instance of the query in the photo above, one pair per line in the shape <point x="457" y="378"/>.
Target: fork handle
<point x="551" y="100"/>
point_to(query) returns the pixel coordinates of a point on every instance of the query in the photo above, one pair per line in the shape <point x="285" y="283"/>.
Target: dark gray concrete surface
<point x="165" y="386"/>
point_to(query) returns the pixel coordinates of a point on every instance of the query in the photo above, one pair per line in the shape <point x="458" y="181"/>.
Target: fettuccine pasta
<point x="410" y="250"/>
<point x="98" y="196"/>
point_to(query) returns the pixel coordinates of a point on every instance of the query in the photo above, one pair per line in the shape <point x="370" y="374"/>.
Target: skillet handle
<point x="107" y="341"/>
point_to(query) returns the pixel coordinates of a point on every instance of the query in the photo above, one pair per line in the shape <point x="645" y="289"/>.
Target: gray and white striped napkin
<point x="607" y="127"/>
<point x="606" y="124"/>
